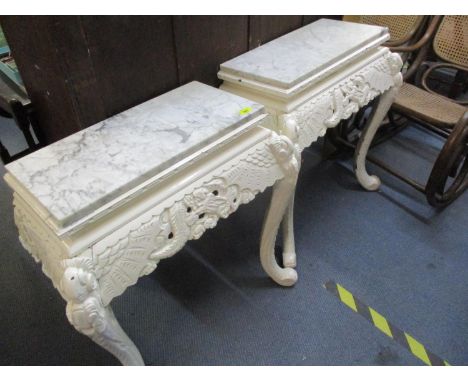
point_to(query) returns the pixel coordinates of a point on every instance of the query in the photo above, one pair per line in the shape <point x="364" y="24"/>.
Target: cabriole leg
<point x="281" y="209"/>
<point x="289" y="248"/>
<point x="90" y="317"/>
<point x="372" y="182"/>
<point x="288" y="128"/>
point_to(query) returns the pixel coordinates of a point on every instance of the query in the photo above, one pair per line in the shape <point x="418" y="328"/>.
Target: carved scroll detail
<point x="138" y="251"/>
<point x="138" y="247"/>
<point x="345" y="98"/>
<point x="89" y="316"/>
<point x="89" y="281"/>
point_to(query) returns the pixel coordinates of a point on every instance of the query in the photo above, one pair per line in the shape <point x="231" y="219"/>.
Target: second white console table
<point x="316" y="76"/>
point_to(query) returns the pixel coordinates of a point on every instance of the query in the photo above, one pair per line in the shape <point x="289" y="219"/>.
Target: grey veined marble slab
<point x="294" y="57"/>
<point x="76" y="175"/>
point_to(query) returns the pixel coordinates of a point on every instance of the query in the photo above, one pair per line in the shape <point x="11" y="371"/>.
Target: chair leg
<point x="329" y="148"/>
<point x="458" y="85"/>
<point x="36" y="128"/>
<point x="4" y="154"/>
<point x="21" y="118"/>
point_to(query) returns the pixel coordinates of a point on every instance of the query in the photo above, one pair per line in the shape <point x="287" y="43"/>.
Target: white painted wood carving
<point x="345" y="98"/>
<point x="89" y="279"/>
<point x="102" y="207"/>
<point x="315" y="77"/>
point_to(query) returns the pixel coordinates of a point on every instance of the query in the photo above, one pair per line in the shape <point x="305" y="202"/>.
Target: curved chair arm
<point x="453" y="150"/>
<point x="416" y="65"/>
<point x="438" y="66"/>
<point x="463" y="121"/>
<point x="423" y="40"/>
<point x="413" y="34"/>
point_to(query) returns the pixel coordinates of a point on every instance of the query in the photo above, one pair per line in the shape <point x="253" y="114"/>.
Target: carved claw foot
<point x="87" y="314"/>
<point x="372" y="182"/>
<point x="281" y="209"/>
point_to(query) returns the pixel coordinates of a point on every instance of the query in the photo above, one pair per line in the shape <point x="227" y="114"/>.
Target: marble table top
<point x="76" y="175"/>
<point x="292" y="58"/>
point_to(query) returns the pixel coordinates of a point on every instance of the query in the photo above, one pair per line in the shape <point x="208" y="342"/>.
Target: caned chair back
<point x="451" y="40"/>
<point x="401" y="28"/>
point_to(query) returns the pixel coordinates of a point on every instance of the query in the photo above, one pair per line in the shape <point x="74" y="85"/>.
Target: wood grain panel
<point x="79" y="70"/>
<point x="267" y="28"/>
<point x="204" y="42"/>
<point x="310" y="19"/>
<point x="133" y="58"/>
<point x="33" y="42"/>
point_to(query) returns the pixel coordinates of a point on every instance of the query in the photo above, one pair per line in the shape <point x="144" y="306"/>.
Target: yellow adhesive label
<point x="245" y="110"/>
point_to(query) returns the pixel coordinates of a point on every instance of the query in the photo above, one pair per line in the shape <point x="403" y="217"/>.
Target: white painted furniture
<point x="102" y="207"/>
<point x="314" y="77"/>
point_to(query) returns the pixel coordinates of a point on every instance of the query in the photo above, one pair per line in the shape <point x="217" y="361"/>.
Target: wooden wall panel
<point x="33" y="41"/>
<point x="310" y="19"/>
<point x="267" y="28"/>
<point x="204" y="42"/>
<point x="79" y="70"/>
<point x="133" y="58"/>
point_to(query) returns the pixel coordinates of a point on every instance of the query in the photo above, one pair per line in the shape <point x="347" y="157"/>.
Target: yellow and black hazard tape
<point x="381" y="323"/>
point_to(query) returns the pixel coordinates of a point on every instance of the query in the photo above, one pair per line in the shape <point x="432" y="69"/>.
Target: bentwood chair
<point x="439" y="114"/>
<point x="409" y="33"/>
<point x="402" y="29"/>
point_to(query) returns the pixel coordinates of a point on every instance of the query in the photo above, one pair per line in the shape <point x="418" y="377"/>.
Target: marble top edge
<point x="292" y="58"/>
<point x="73" y="177"/>
<point x="364" y="57"/>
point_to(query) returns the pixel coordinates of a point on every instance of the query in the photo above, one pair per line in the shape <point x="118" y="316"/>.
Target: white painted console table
<point x="314" y="77"/>
<point x="102" y="207"/>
